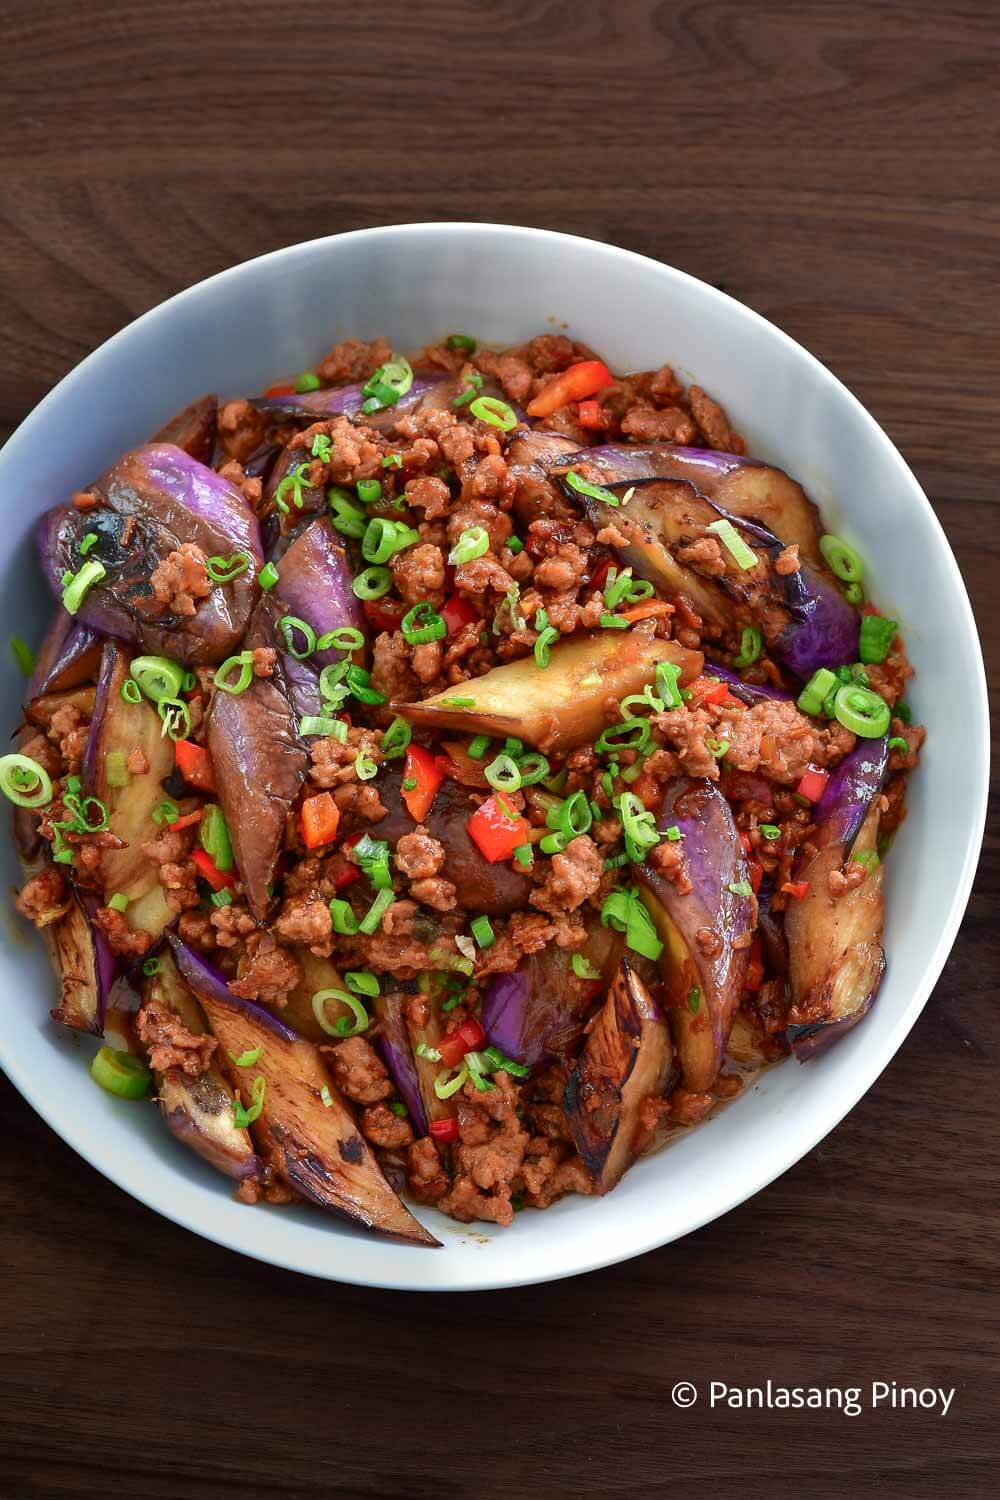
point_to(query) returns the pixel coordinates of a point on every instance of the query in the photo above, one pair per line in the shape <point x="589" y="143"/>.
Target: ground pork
<point x="271" y="974"/>
<point x="231" y="924"/>
<point x="493" y="1143"/>
<point x="358" y="1070"/>
<point x="787" y="562"/>
<point x="686" y="730"/>
<point x="45" y="898"/>
<point x="566" y="569"/>
<point x="431" y="495"/>
<point x="549" y="1171"/>
<point x="384" y="1128"/>
<point x="848" y="879"/>
<point x="425" y="1176"/>
<point x="353" y="360"/>
<point x="713" y="422"/>
<point x="179" y="580"/>
<point x="704" y="555"/>
<point x="419" y="856"/>
<point x="778" y="740"/>
<point x="481" y="574"/>
<point x="440" y="894"/>
<point x="306" y="920"/>
<point x="391" y="672"/>
<point x="170" y="1043"/>
<point x="120" y="937"/>
<point x="647" y="425"/>
<point x="572" y="876"/>
<point x="418" y="573"/>
<point x="241" y="429"/>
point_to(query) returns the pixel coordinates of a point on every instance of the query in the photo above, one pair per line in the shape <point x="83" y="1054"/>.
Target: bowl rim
<point x="868" y="1068"/>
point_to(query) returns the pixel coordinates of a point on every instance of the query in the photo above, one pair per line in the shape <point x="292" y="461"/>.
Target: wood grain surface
<point x="835" y="166"/>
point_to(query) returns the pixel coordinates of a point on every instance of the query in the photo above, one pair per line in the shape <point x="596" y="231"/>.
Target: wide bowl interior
<point x="243" y="330"/>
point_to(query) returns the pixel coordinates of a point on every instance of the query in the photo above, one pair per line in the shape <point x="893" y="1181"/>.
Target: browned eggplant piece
<point x="118" y="727"/>
<point x="259" y="758"/>
<point x="69" y="656"/>
<point x="84" y="964"/>
<point x="427" y="1069"/>
<point x="154" y="500"/>
<point x="199" y="1111"/>
<point x="315" y="583"/>
<point x="491" y="888"/>
<point x="625" y="1061"/>
<point x="305" y="1128"/>
<point x="41" y="709"/>
<point x="537" y="493"/>
<point x="317" y="974"/>
<point x="702" y="968"/>
<point x="396" y="1051"/>
<point x="835" y="956"/>
<point x="192" y="428"/>
<point x="562" y="706"/>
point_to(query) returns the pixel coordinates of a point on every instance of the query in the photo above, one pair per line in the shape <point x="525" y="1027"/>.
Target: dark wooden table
<point x="835" y="167"/>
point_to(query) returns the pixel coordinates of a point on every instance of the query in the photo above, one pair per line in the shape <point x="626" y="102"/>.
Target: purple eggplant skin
<point x="835" y="956"/>
<point x="626" y="1060"/>
<point x="69" y="656"/>
<point x="305" y="1128"/>
<point x="538" y="494"/>
<point x="393" y="1046"/>
<point x="169" y="498"/>
<point x="536" y="1013"/>
<point x="199" y="1111"/>
<point x="315" y="582"/>
<point x="120" y="726"/>
<point x="347" y="401"/>
<point x="743" y="486"/>
<point x="747" y="692"/>
<point x="84" y="964"/>
<point x="494" y="889"/>
<point x="703" y="989"/>
<point x="260" y="759"/>
<point x="193" y="428"/>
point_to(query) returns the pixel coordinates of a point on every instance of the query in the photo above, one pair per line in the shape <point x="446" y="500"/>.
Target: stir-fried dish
<point x="447" y="777"/>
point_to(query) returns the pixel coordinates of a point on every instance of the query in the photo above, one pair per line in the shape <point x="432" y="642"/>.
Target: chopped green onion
<point x="694" y="999"/>
<point x="344" y="638"/>
<point x="514" y="544"/>
<point x="614" y="622"/>
<point x="465" y="396"/>
<point x="76" y="589"/>
<point x="219" y="899"/>
<point x="816" y="691"/>
<point x="347" y="518"/>
<point x="158" y="677"/>
<point x="740" y="888"/>
<point x="225" y="569"/>
<point x="22" y="654"/>
<point x="897" y="742"/>
<point x="533" y="768"/>
<point x="771" y="831"/>
<point x="422" y="623"/>
<point x="358" y="680"/>
<point x="116" y="771"/>
<point x="176" y="718"/>
<point x="118" y="902"/>
<point x="500" y="1063"/>
<point x="472" y="543"/>
<point x="646" y="699"/>
<point x="410" y="784"/>
<point x="189" y="682"/>
<point x="842" y="559"/>
<point x="392" y="461"/>
<point x="904" y="711"/>
<point x="494" y="411"/>
<point x="321" y="445"/>
<point x="326" y="1098"/>
<point x="750" y="647"/>
<point x="130" y="691"/>
<point x="667" y="676"/>
<point x="866" y="857"/>
<point x="623" y="910"/>
<point x="638" y="826"/>
<point x="716" y="747"/>
<point x="295" y="481"/>
<point x="571" y="817"/>
<point x="524" y="855"/>
<point x="458" y="702"/>
<point x="387" y="384"/>
<point x="372" y="920"/>
<point x="853" y="593"/>
<point x="478" y="747"/>
<point x="482" y="931"/>
<point x="674" y="834"/>
<point x="398" y="1108"/>
<point x="461" y="341"/>
<point x="120" y="1073"/>
<point x="362" y="982"/>
<point x="503" y="774"/>
<point x="742" y="555"/>
<point x="288" y="625"/>
<point x="152" y="966"/>
<point x="307" y="381"/>
<point x="877" y="634"/>
<point x="243" y="666"/>
<point x="372" y="583"/>
<point x="24" y="782"/>
<point x="89" y="542"/>
<point x="342" y="1026"/>
<point x="396" y="739"/>
<point x="583" y="968"/>
<point x="544" y="644"/>
<point x="365" y="769"/>
<point x="861" y="711"/>
<point x="478" y="1067"/>
<point x="320" y="724"/>
<point x="342" y="916"/>
<point x="166" y="812"/>
<point x="369" y="490"/>
<point x="244" y="1117"/>
<point x="631" y="735"/>
<point x="268" y="576"/>
<point x="593" y="491"/>
<point x="247" y="1059"/>
<point x="372" y="856"/>
<point x="213" y="836"/>
<point x="449" y="1082"/>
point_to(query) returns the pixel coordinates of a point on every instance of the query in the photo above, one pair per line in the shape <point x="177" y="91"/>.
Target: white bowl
<point x="240" y="331"/>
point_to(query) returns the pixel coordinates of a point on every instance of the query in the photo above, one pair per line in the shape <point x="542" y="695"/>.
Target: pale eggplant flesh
<point x="626" y="1060"/>
<point x="566" y="704"/>
<point x="305" y="1129"/>
<point x="706" y="932"/>
<point x="84" y="965"/>
<point x="199" y="1111"/>
<point x="117" y="728"/>
<point x="836" y="960"/>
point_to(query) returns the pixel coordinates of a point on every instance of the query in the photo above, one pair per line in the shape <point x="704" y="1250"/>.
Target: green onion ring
<point x="842" y="559"/>
<point x="243" y="661"/>
<point x="861" y="711"/>
<point x="18" y="774"/>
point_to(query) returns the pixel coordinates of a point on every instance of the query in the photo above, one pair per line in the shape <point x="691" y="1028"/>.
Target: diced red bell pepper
<point x="384" y="614"/>
<point x="445" y="1131"/>
<point x="421" y="767"/>
<point x="219" y="880"/>
<point x="465" y="1038"/>
<point x="318" y="820"/>
<point x="187" y="821"/>
<point x="745" y="840"/>
<point x="195" y="765"/>
<point x="574" y="384"/>
<point x="755" y="968"/>
<point x="457" y="612"/>
<point x="592" y="416"/>
<point x="709" y="690"/>
<point x="350" y="873"/>
<point x="648" y="609"/>
<point x="756" y="870"/>
<point x="795" y="888"/>
<point x="599" y="577"/>
<point x="496" y="832"/>
<point x="280" y="390"/>
<point x="813" y="784"/>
